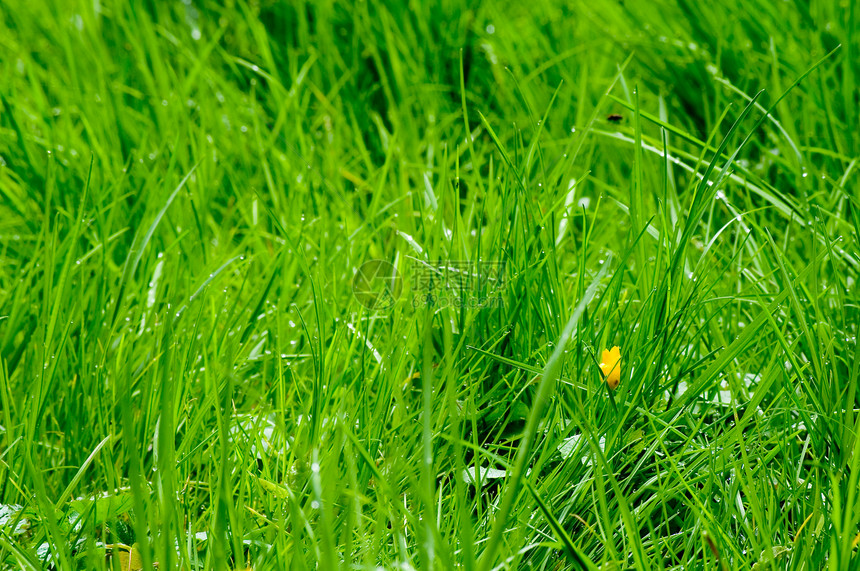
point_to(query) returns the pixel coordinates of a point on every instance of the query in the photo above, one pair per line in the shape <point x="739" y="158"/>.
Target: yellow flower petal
<point x="610" y="366"/>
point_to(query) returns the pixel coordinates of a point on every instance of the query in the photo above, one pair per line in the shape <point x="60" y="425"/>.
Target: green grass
<point x="187" y="190"/>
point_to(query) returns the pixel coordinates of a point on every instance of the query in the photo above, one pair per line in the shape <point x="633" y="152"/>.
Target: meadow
<point x="337" y="284"/>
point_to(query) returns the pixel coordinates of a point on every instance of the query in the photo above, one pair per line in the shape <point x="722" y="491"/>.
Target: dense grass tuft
<point x="328" y="284"/>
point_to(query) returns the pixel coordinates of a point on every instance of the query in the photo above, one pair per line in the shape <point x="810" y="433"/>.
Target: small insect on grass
<point x="614" y="118"/>
<point x="610" y="366"/>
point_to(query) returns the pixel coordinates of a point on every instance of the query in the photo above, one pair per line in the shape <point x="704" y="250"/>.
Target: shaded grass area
<point x="190" y="188"/>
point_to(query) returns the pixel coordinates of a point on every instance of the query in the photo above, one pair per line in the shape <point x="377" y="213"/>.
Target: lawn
<point x="338" y="284"/>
